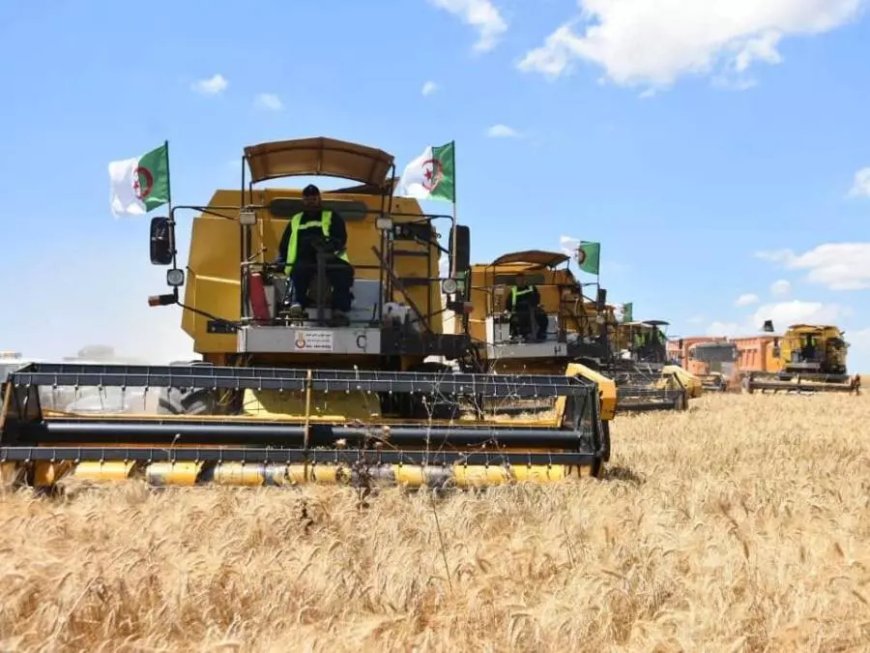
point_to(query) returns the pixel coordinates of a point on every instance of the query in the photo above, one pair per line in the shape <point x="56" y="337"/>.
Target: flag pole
<point x="171" y="214"/>
<point x="168" y="179"/>
<point x="453" y="274"/>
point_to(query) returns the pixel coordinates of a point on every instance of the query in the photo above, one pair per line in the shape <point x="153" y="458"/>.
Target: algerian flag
<point x="588" y="255"/>
<point x="626" y="312"/>
<point x="618" y="312"/>
<point x="431" y="176"/>
<point x="140" y="184"/>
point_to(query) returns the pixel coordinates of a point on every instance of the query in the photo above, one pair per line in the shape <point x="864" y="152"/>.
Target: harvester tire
<point x="179" y="401"/>
<point x="605" y="440"/>
<point x="174" y="401"/>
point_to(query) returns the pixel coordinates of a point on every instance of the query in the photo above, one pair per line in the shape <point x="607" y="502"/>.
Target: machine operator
<point x="307" y="231"/>
<point x="524" y="305"/>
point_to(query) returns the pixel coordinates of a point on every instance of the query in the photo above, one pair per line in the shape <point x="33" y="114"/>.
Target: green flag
<point x="626" y="312"/>
<point x="588" y="255"/>
<point x="140" y="184"/>
<point x="432" y="175"/>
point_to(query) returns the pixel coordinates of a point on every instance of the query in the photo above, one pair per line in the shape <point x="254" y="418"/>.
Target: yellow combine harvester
<point x="284" y="396"/>
<point x="567" y="329"/>
<point x="812" y="358"/>
<point x="640" y="361"/>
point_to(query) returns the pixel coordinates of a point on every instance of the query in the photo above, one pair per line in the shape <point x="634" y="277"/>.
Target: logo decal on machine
<point x="313" y="341"/>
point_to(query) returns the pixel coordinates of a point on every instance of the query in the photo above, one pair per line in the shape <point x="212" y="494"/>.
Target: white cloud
<point x="780" y="287"/>
<point x="568" y="245"/>
<point x="859" y="351"/>
<point x="784" y="314"/>
<point x="269" y="101"/>
<point x="429" y="88"/>
<point x="861" y="184"/>
<point x="747" y="299"/>
<point x="214" y="85"/>
<point x="838" y="266"/>
<point x="502" y="131"/>
<point x="775" y="255"/>
<point x="730" y="329"/>
<point x="654" y="42"/>
<point x="480" y="14"/>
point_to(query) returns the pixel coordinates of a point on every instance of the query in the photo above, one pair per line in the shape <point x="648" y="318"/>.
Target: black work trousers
<point x="521" y="321"/>
<point x="339" y="275"/>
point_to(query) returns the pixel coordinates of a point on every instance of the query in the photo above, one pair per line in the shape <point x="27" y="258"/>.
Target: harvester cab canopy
<point x="325" y="157"/>
<point x="533" y="259"/>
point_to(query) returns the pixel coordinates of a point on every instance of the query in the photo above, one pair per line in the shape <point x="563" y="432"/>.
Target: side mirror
<point x="460" y="248"/>
<point x="601" y="300"/>
<point x="161" y="241"/>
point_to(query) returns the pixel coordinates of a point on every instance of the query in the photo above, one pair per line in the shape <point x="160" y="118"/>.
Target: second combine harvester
<point x="280" y="398"/>
<point x="576" y="331"/>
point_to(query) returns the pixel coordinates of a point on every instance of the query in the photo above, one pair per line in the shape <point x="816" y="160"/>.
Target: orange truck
<point x="757" y="354"/>
<point x="723" y="363"/>
<point x="712" y="359"/>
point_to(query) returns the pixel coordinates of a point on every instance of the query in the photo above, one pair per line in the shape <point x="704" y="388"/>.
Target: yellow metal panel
<point x="239" y="474"/>
<point x="181" y="473"/>
<point x="299" y="474"/>
<point x="46" y="474"/>
<point x="606" y="388"/>
<point x="409" y="475"/>
<point x="330" y="474"/>
<point x="689" y="381"/>
<point x="338" y="406"/>
<point x="542" y="473"/>
<point x="105" y="471"/>
<point x="10" y="473"/>
<point x="479" y="475"/>
<point x="274" y="474"/>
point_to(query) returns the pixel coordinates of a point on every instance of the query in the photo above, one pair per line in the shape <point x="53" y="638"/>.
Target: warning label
<point x="313" y="341"/>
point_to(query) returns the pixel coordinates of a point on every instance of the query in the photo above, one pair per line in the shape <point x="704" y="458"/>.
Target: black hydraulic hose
<point x="286" y="435"/>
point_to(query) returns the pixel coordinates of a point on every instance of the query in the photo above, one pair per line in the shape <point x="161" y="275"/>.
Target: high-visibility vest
<point x="516" y="292"/>
<point x="296" y="224"/>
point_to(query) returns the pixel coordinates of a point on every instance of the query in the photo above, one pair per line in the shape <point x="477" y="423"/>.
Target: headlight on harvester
<point x="175" y="277"/>
<point x="449" y="286"/>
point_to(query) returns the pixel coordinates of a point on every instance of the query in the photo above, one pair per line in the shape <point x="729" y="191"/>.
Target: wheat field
<point x="742" y="524"/>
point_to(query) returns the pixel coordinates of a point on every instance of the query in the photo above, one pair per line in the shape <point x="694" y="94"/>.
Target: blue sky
<point x="714" y="149"/>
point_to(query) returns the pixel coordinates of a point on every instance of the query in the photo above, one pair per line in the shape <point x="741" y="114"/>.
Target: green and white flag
<point x="431" y="176"/>
<point x="627" y="312"/>
<point x="588" y="255"/>
<point x="140" y="184"/>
